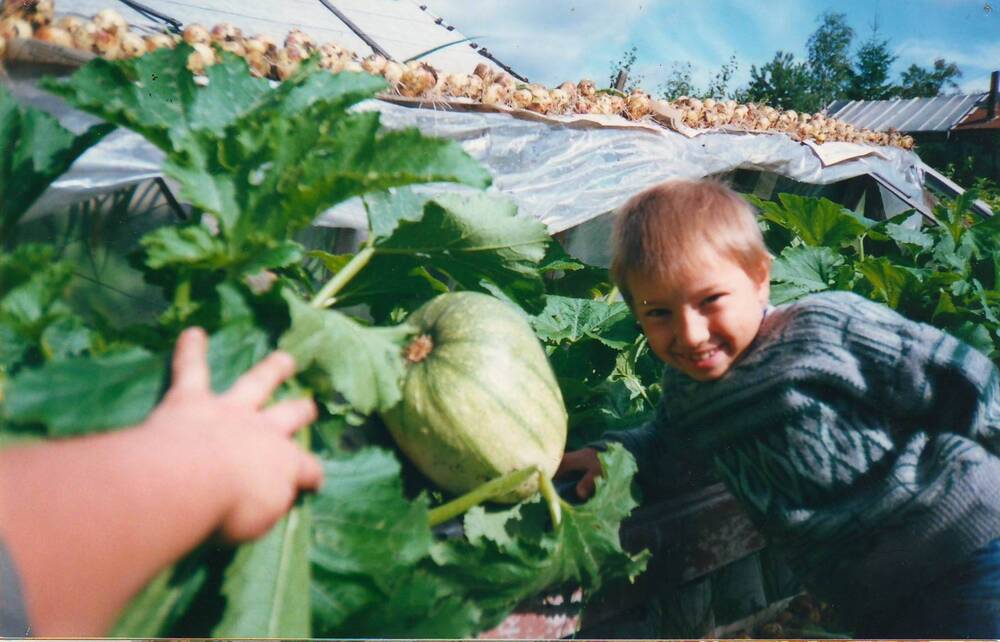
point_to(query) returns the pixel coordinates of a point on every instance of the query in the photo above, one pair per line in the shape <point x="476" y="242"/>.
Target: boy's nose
<point x="692" y="328"/>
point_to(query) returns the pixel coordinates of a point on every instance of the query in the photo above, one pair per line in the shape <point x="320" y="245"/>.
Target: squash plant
<point x="259" y="163"/>
<point x="945" y="272"/>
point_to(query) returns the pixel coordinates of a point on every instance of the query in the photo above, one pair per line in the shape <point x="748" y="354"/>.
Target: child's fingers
<point x="289" y="416"/>
<point x="577" y="460"/>
<point x="310" y="472"/>
<point x="254" y="388"/>
<point x="190" y="363"/>
<point x="585" y="487"/>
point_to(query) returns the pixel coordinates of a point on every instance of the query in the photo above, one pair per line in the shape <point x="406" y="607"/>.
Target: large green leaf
<point x="264" y="161"/>
<point x="87" y="394"/>
<point x="386" y="209"/>
<point x="480" y="241"/>
<point x="36" y="151"/>
<point x="386" y="286"/>
<point x="191" y="245"/>
<point x="570" y="320"/>
<point x="266" y="586"/>
<point x="813" y="269"/>
<point x="362" y="523"/>
<point x="515" y="554"/>
<point x="818" y="222"/>
<point x="368" y="544"/>
<point x="156" y="95"/>
<point x="890" y="283"/>
<point x="363" y="364"/>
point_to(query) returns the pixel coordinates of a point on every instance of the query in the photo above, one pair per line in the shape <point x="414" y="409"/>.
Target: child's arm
<point x="584" y="460"/>
<point x="663" y="468"/>
<point x="644" y="443"/>
<point x="90" y="520"/>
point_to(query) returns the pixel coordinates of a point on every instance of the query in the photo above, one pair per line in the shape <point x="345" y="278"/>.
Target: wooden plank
<point x="28" y="50"/>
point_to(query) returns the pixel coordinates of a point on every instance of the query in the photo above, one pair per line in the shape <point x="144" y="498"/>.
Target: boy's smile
<point x="703" y="323"/>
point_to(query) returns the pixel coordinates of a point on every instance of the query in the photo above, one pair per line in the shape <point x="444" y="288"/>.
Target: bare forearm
<point x="90" y="521"/>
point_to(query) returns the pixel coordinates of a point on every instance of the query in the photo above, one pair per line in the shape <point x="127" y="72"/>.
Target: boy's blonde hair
<point x="662" y="231"/>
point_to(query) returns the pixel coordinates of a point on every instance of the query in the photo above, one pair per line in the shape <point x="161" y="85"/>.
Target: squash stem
<point x="493" y="488"/>
<point x="324" y="298"/>
<point x="551" y="498"/>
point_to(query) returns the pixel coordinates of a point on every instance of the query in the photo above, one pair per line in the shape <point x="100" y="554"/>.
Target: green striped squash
<point x="479" y="396"/>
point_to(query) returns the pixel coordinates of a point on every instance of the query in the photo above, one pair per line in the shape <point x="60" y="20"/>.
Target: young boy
<point x="863" y="445"/>
<point x="86" y="522"/>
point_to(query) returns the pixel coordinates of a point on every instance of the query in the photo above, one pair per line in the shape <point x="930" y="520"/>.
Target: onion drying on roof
<point x="107" y="34"/>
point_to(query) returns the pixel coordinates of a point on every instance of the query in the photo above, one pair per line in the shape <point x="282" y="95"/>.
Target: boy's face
<point x="702" y="324"/>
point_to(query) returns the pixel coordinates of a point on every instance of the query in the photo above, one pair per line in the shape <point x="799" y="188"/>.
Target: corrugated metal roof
<point x="401" y="27"/>
<point x="910" y="115"/>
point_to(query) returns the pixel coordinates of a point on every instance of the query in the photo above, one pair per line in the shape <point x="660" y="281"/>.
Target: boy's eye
<point x="657" y="313"/>
<point x="713" y="298"/>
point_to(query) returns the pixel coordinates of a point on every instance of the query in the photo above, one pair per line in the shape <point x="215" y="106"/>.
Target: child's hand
<point x="584" y="460"/>
<point x="247" y="449"/>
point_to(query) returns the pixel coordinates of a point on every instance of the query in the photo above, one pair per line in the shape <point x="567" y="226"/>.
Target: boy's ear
<point x="763" y="279"/>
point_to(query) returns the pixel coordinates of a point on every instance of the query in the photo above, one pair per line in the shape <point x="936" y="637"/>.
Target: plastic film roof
<point x="400" y="27"/>
<point x="562" y="170"/>
<point x="910" y="115"/>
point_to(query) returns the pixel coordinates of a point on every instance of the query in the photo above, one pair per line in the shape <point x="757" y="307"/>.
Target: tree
<point x="679" y="82"/>
<point x="920" y="82"/>
<point x="718" y="87"/>
<point x="625" y="63"/>
<point x="782" y="83"/>
<point x="871" y="69"/>
<point x="829" y="58"/>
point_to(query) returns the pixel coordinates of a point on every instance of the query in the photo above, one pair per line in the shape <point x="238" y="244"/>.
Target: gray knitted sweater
<point x="864" y="445"/>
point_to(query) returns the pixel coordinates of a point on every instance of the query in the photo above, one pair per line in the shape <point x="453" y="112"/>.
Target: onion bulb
<point x="111" y="20"/>
<point x="54" y="36"/>
<point x="159" y="41"/>
<point x="196" y="34"/>
<point x="201" y="58"/>
<point x="12" y="28"/>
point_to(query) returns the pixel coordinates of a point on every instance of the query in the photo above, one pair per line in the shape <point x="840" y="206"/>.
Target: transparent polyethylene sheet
<point x="563" y="173"/>
<point x="122" y="158"/>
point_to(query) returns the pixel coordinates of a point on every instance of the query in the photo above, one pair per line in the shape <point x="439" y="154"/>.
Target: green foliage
<point x="782" y="83"/>
<point x="263" y="584"/>
<point x="718" y="86"/>
<point x="870" y="77"/>
<point x="37" y="150"/>
<point x="945" y="274"/>
<point x="829" y="57"/>
<point x="921" y="82"/>
<point x="678" y="83"/>
<point x="259" y="163"/>
<point x="625" y="64"/>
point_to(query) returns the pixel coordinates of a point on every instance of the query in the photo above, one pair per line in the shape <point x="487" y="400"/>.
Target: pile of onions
<point x="107" y="34"/>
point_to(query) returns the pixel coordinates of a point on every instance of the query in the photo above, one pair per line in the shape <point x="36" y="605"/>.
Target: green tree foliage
<point x="625" y="63"/>
<point x="829" y="57"/>
<point x="919" y="82"/>
<point x="718" y="86"/>
<point x="870" y="80"/>
<point x="783" y="83"/>
<point x="678" y="83"/>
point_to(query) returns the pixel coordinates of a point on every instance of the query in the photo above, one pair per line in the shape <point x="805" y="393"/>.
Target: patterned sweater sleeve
<point x="665" y="466"/>
<point x="959" y="390"/>
<point x="929" y="379"/>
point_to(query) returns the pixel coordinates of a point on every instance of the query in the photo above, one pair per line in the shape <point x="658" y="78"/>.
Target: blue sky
<point x="550" y="41"/>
